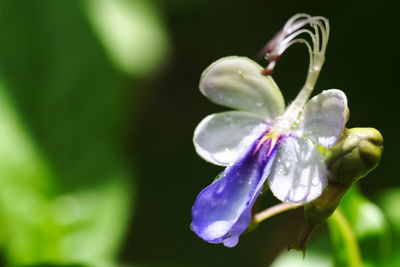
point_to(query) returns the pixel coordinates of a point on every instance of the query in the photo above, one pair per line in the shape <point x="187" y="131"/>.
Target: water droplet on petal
<point x="315" y="181"/>
<point x="220" y="188"/>
<point x="228" y="118"/>
<point x="217" y="229"/>
<point x="285" y="171"/>
<point x="259" y="103"/>
<point x="231" y="242"/>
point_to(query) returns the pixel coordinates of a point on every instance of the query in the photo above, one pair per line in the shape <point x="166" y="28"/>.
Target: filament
<point x="292" y="29"/>
<point x="316" y="34"/>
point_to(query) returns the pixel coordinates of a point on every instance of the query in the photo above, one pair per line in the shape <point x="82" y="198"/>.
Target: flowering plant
<point x="262" y="143"/>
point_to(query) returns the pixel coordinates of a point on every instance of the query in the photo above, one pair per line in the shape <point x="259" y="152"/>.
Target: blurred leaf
<point x="54" y="265"/>
<point x="65" y="185"/>
<point x="346" y="249"/>
<point x="131" y="32"/>
<point x="295" y="259"/>
<point x="362" y="223"/>
<point x="25" y="182"/>
<point x="389" y="202"/>
<point x="317" y="254"/>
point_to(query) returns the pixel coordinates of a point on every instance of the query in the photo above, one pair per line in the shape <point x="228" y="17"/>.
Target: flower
<point x="261" y="142"/>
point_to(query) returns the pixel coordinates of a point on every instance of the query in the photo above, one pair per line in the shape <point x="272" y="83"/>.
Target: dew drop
<point x="285" y="171"/>
<point x="220" y="189"/>
<point x="228" y="118"/>
<point x="315" y="181"/>
<point x="287" y="164"/>
<point x="217" y="229"/>
<point x="259" y="103"/>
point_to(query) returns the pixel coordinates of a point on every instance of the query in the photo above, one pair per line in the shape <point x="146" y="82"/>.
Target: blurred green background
<point x="98" y="103"/>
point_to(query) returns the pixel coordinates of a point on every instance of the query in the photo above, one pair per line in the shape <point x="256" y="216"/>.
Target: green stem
<point x="339" y="221"/>
<point x="274" y="210"/>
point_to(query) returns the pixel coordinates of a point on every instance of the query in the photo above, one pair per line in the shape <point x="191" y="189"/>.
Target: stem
<point x="272" y="211"/>
<point x="339" y="221"/>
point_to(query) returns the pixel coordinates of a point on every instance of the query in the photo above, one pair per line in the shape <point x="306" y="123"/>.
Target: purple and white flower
<point x="260" y="142"/>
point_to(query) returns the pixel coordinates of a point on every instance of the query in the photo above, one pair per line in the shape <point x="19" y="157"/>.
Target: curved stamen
<point x="293" y="24"/>
<point x="268" y="70"/>
<point x="296" y="22"/>
<point x="291" y="30"/>
<point x="286" y="43"/>
<point x="316" y="46"/>
<point x="307" y="44"/>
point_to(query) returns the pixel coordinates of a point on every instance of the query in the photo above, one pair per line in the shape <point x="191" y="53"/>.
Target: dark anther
<point x="267" y="72"/>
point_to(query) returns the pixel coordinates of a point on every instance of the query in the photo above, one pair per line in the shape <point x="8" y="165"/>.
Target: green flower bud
<point x="358" y="152"/>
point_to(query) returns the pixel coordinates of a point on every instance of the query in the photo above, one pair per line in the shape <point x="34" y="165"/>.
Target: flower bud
<point x="358" y="152"/>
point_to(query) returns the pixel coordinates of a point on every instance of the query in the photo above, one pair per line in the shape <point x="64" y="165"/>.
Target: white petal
<point x="222" y="137"/>
<point x="299" y="173"/>
<point x="237" y="82"/>
<point x="324" y="117"/>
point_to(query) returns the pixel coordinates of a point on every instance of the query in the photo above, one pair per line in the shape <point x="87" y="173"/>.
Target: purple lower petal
<point x="222" y="211"/>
